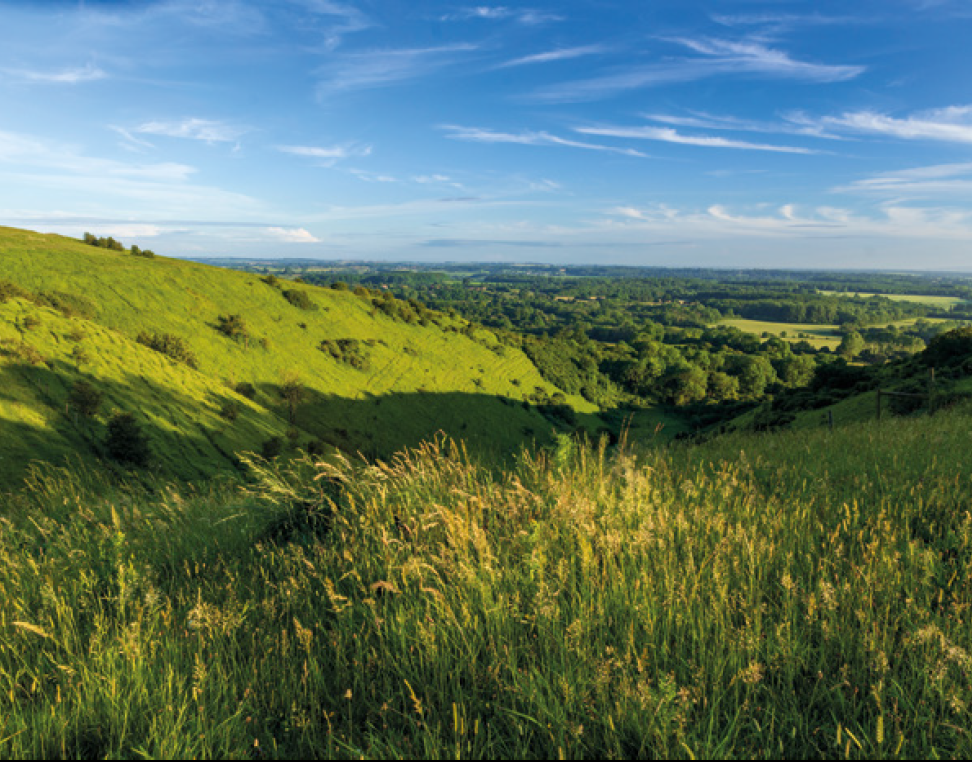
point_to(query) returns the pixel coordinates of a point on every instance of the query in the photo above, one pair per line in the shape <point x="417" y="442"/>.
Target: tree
<point x="851" y="345"/>
<point x="292" y="390"/>
<point x="84" y="398"/>
<point x="233" y="326"/>
<point x="126" y="442"/>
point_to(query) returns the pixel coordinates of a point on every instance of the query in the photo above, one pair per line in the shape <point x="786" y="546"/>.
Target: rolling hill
<point x="213" y="362"/>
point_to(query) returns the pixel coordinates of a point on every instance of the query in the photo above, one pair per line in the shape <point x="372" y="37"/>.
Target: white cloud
<point x="376" y="68"/>
<point x="668" y="135"/>
<point x="561" y="54"/>
<point x="917" y="181"/>
<point x="715" y="58"/>
<point x="87" y="73"/>
<point x="531" y="138"/>
<point x="292" y="235"/>
<point x="206" y="130"/>
<point x="525" y="16"/>
<point x="952" y="124"/>
<point x="328" y="156"/>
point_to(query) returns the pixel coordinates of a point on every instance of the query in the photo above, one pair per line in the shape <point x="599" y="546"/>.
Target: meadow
<point x="795" y="595"/>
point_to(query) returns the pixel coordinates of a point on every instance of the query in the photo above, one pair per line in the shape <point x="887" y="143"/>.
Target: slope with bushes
<point x="214" y="361"/>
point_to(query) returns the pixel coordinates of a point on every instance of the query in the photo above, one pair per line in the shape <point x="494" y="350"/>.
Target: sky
<point x="729" y="133"/>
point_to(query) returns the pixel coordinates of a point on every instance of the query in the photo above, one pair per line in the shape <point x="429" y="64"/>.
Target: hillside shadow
<point x="190" y="441"/>
<point x="187" y="437"/>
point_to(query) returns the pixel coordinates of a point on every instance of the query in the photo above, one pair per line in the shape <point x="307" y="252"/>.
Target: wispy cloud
<point x="72" y="76"/>
<point x="917" y="181"/>
<point x="328" y="156"/>
<point x="706" y="121"/>
<point x="292" y="235"/>
<point x="561" y="54"/>
<point x="530" y="138"/>
<point x="163" y="187"/>
<point x="206" y="130"/>
<point x="526" y="16"/>
<point x="349" y="20"/>
<point x="668" y="135"/>
<point x="377" y="68"/>
<point x="952" y="124"/>
<point x="714" y="58"/>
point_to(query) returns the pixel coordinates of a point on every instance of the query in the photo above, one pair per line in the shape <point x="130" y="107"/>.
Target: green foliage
<point x="169" y="345"/>
<point x="349" y="351"/>
<point x="233" y="326"/>
<point x="126" y="442"/>
<point x="299" y="298"/>
<point x="85" y="398"/>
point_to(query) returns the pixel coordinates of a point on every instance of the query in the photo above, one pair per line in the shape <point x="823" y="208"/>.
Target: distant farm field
<point x="935" y="301"/>
<point x="818" y="335"/>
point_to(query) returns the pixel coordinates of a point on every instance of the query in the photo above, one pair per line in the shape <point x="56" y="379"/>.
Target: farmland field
<point x="935" y="301"/>
<point x="824" y="335"/>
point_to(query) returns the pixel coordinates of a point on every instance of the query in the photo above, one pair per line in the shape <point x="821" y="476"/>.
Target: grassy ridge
<point x="798" y="595"/>
<point x="407" y="380"/>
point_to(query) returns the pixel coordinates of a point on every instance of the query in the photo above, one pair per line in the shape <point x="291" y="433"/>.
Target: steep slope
<point x="357" y="371"/>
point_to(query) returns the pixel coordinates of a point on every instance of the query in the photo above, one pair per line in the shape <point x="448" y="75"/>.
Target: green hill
<point x="239" y="360"/>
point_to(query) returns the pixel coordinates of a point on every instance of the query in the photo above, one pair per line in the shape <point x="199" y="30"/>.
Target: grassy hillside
<point x="793" y="595"/>
<point x="367" y="375"/>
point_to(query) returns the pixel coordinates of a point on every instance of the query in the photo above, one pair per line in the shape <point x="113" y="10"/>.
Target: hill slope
<point x="319" y="363"/>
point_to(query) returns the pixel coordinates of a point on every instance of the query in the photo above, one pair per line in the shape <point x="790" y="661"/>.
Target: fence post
<point x="879" y="404"/>
<point x="931" y="390"/>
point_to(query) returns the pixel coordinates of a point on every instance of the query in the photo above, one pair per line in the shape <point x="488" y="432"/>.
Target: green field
<point x="815" y="334"/>
<point x="934" y="301"/>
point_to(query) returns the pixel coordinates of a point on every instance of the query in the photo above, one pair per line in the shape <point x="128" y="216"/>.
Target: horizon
<point x="722" y="135"/>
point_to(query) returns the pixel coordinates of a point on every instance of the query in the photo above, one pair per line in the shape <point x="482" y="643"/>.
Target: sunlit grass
<point x="795" y="595"/>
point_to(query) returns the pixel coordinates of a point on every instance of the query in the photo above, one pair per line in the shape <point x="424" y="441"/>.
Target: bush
<point x="85" y="398"/>
<point x="245" y="389"/>
<point x="233" y="326"/>
<point x="271" y="448"/>
<point x="299" y="299"/>
<point x="169" y="345"/>
<point x="126" y="442"/>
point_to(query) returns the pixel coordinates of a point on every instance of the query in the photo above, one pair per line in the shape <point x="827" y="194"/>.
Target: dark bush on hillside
<point x="271" y="448"/>
<point x="69" y="305"/>
<point x="147" y="253"/>
<point x="339" y="285"/>
<point x="230" y="411"/>
<point x="104" y="243"/>
<point x="233" y="326"/>
<point x="245" y="389"/>
<point x="271" y="280"/>
<point x="349" y="351"/>
<point x="84" y="398"/>
<point x="299" y="299"/>
<point x="169" y="345"/>
<point x="126" y="442"/>
<point x="362" y="292"/>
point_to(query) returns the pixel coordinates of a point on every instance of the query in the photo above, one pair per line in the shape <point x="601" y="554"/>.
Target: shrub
<point x="85" y="398"/>
<point x="245" y="389"/>
<point x="299" y="299"/>
<point x="348" y="351"/>
<point x="126" y="442"/>
<point x="233" y="326"/>
<point x="271" y="448"/>
<point x="230" y="410"/>
<point x="169" y="345"/>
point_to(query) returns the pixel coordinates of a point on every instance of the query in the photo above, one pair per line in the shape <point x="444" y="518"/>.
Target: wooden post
<point x="879" y="405"/>
<point x="931" y="390"/>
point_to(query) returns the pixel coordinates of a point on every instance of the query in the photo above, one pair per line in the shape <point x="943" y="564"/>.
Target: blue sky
<point x="780" y="133"/>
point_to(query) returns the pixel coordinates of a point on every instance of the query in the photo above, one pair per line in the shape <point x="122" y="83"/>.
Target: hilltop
<point x="214" y="362"/>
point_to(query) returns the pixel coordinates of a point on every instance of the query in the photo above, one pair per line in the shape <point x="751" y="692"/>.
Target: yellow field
<point x="937" y="301"/>
<point x="816" y="334"/>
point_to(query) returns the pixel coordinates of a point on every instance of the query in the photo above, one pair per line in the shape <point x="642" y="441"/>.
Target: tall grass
<point x="765" y="596"/>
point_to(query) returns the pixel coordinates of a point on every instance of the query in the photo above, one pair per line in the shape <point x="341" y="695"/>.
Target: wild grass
<point x="791" y="595"/>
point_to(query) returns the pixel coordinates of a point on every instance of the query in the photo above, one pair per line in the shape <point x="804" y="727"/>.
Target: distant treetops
<point x="113" y="245"/>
